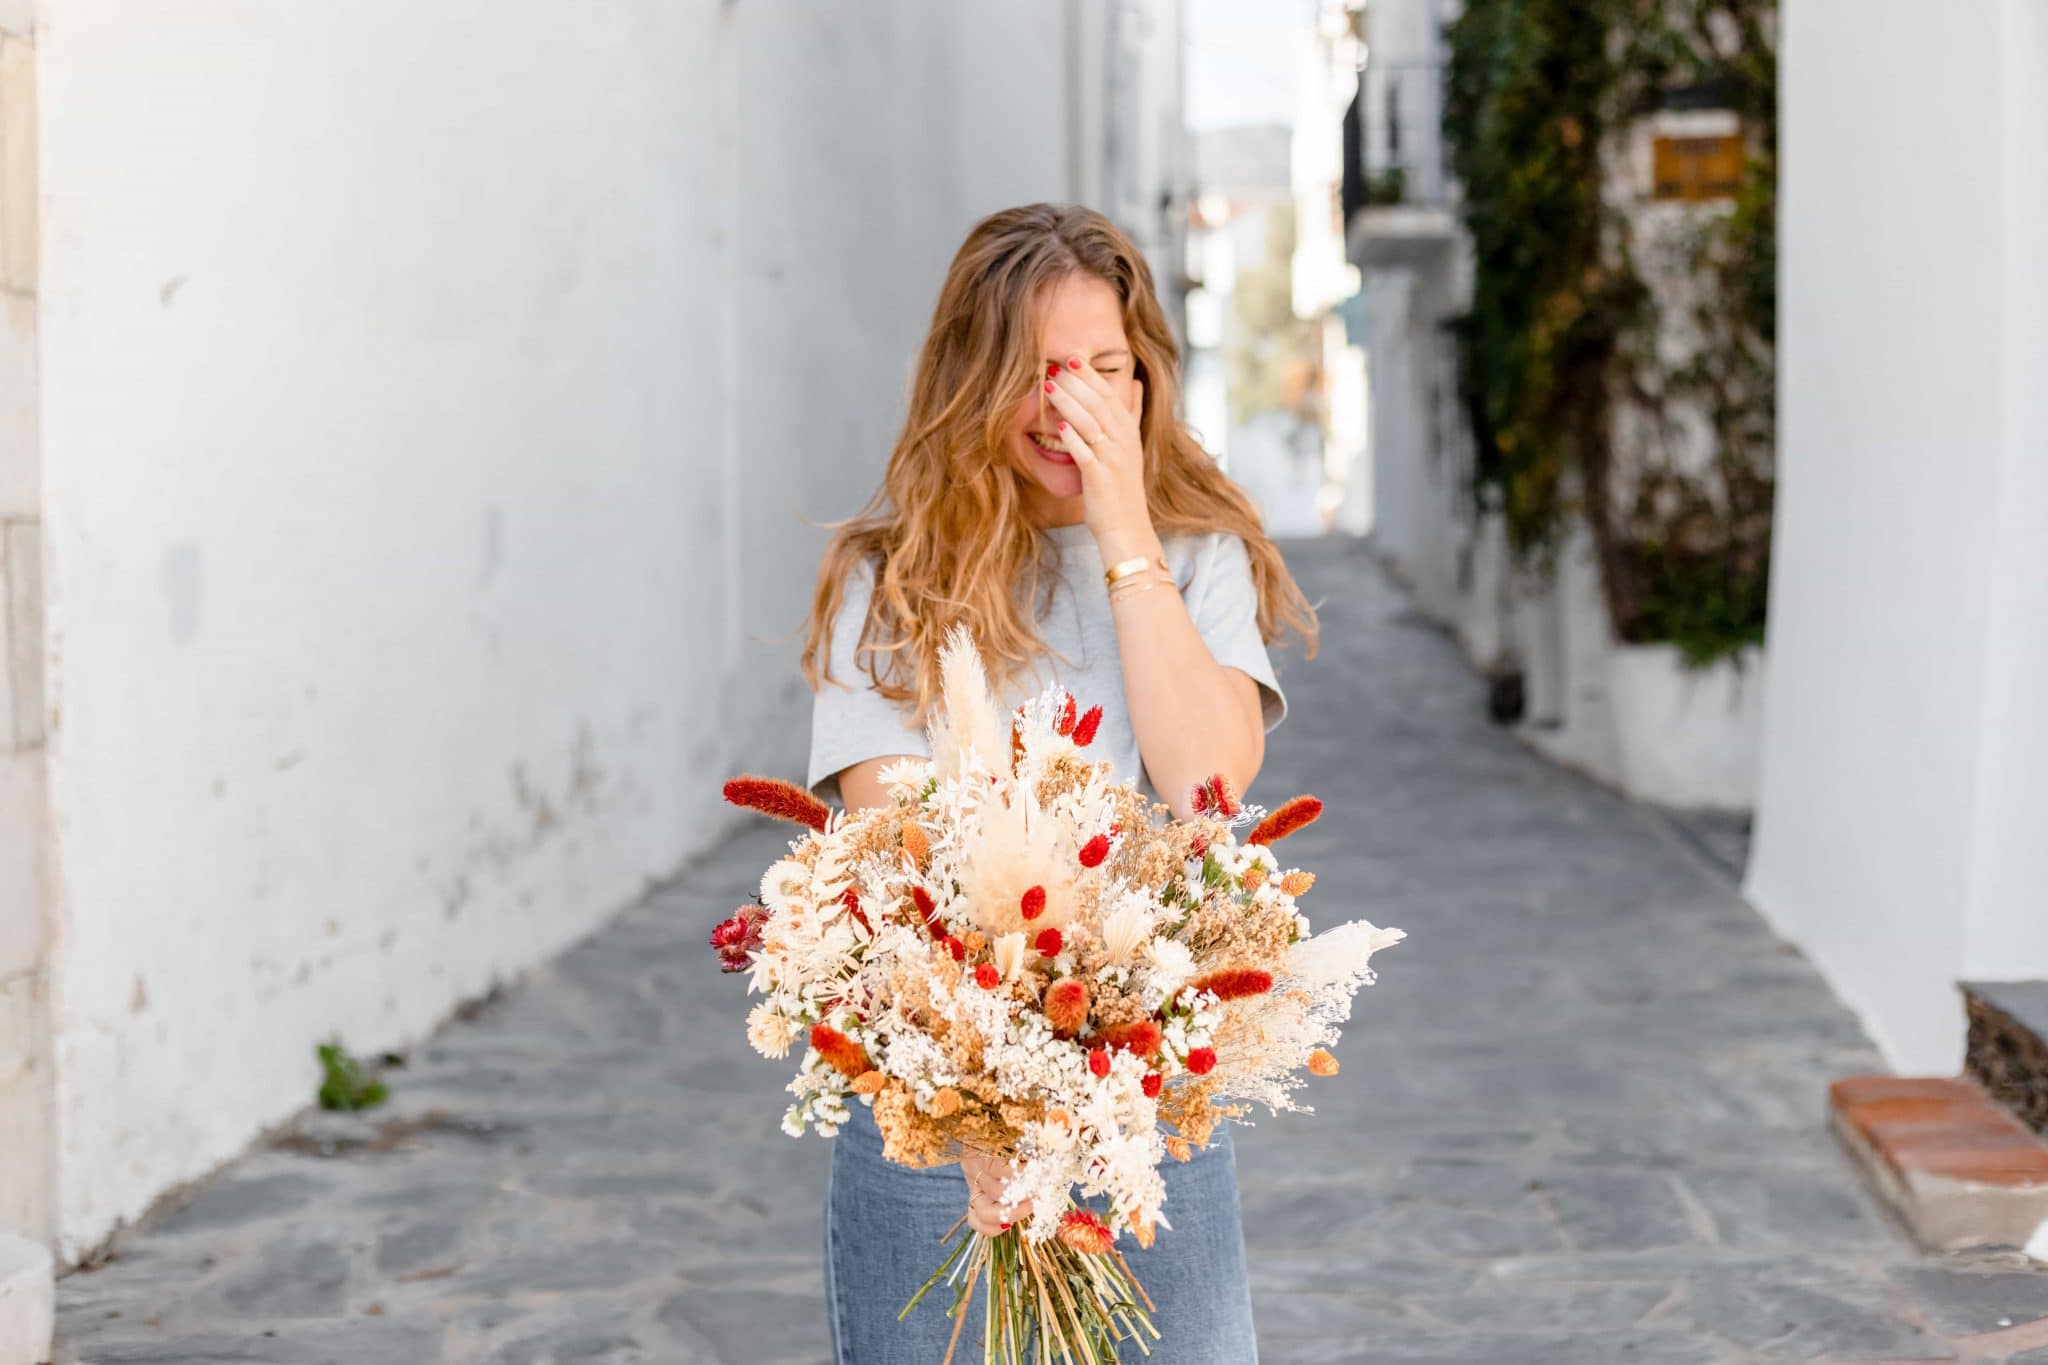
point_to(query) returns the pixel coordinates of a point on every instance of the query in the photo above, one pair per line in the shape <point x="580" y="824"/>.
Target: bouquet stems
<point x="1045" y="1304"/>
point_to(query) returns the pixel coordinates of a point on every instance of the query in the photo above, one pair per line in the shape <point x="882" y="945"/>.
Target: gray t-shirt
<point x="853" y="722"/>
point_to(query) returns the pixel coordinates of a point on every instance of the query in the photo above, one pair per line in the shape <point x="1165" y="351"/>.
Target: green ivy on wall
<point x="1560" y="341"/>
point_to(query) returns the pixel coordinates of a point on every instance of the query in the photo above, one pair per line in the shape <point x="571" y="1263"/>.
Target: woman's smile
<point x="1050" y="447"/>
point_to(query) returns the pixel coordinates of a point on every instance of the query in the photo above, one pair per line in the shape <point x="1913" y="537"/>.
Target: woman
<point x="1044" y="493"/>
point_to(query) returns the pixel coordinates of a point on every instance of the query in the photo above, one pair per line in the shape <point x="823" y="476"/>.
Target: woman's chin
<point x="1061" y="481"/>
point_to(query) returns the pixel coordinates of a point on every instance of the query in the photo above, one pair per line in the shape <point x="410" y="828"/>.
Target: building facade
<point x="413" y="430"/>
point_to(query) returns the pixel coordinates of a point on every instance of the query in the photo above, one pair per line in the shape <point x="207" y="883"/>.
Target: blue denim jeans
<point x="883" y="1223"/>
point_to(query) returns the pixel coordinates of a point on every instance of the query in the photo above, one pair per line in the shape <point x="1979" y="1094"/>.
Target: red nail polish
<point x="1051" y="370"/>
<point x="1073" y="362"/>
<point x="1048" y="386"/>
<point x="1063" y="426"/>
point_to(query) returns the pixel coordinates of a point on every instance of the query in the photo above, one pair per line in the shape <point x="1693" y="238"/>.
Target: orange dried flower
<point x="915" y="844"/>
<point x="1235" y="983"/>
<point x="1177" y="1147"/>
<point x="1297" y="883"/>
<point x="868" y="1082"/>
<point x="1066" y="1006"/>
<point x="1141" y="1037"/>
<point x="1322" y="1062"/>
<point x="1288" y="817"/>
<point x="775" y="797"/>
<point x="840" y="1052"/>
<point x="1085" y="1232"/>
<point x="946" y="1102"/>
<point x="1142" y="1230"/>
<point x="1254" y="877"/>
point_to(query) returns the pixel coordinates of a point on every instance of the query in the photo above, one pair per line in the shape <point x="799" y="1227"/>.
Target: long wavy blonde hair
<point x="947" y="534"/>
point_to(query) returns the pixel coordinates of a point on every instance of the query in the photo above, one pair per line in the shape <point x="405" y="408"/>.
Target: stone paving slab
<point x="1581" y="1118"/>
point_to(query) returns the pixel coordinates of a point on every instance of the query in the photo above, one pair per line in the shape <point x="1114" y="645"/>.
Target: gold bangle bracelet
<point x="1131" y="583"/>
<point x="1118" y="572"/>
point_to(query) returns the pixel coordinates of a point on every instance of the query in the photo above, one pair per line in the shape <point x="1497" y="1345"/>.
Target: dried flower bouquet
<point x="1020" y="956"/>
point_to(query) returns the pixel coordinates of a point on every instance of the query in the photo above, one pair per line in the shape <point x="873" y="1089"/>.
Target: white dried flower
<point x="784" y="884"/>
<point x="1172" y="963"/>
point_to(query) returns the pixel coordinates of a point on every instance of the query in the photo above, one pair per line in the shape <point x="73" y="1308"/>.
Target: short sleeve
<point x="1223" y="600"/>
<point x="850" y="721"/>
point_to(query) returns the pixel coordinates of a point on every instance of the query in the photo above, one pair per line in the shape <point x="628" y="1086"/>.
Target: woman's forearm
<point x="1191" y="716"/>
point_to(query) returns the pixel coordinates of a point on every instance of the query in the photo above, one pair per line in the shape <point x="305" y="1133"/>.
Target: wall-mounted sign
<point x="1696" y="168"/>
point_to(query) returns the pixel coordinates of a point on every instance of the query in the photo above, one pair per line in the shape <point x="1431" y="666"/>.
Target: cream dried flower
<point x="1007" y="952"/>
<point x="769" y="1031"/>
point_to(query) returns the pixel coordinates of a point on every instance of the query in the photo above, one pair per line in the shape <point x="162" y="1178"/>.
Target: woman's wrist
<point x="1127" y="543"/>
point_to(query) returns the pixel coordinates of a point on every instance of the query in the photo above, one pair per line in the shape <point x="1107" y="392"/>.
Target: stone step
<point x="2008" y="1048"/>
<point x="1958" y="1167"/>
<point x="28" y="1300"/>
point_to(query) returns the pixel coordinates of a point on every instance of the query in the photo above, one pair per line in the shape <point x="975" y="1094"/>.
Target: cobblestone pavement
<point x="1580" y="1117"/>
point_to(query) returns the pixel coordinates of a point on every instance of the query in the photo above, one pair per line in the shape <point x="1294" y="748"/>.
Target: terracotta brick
<point x="1959" y="1167"/>
<point x="1861" y="1089"/>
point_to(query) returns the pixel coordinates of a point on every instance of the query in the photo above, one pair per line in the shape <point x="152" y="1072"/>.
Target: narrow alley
<point x="1581" y="1116"/>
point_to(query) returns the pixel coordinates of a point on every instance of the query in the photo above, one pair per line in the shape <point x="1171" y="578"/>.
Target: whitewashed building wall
<point x="430" y="397"/>
<point x="1899" y="833"/>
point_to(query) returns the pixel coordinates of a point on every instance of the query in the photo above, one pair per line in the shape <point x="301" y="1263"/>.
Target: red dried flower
<point x="851" y="900"/>
<point x="1098" y="1061"/>
<point x="1048" y="942"/>
<point x="1085" y="1232"/>
<point x="955" y="947"/>
<point x="1032" y="905"/>
<point x="840" y="1052"/>
<point x="1085" y="728"/>
<point x="928" y="910"/>
<point x="1290" y="816"/>
<point x="773" y="796"/>
<point x="986" y="976"/>
<point x="1202" y="1060"/>
<point x="1215" y="796"/>
<point x="1199" y="848"/>
<point x="1150" y="1085"/>
<point x="1066" y="1006"/>
<point x="1065" y="724"/>
<point x="1094" y="851"/>
<point x="737" y="936"/>
<point x="1235" y="983"/>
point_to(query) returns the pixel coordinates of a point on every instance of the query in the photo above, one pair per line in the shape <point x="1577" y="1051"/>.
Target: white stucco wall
<point x="1898" y="831"/>
<point x="430" y="398"/>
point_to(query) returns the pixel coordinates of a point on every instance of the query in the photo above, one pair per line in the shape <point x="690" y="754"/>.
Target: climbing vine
<point x="1584" y="385"/>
